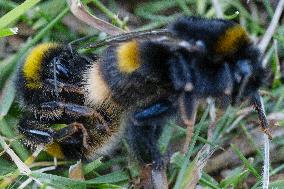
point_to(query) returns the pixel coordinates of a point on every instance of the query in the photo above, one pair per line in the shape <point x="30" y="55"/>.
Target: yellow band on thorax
<point x="33" y="63"/>
<point x="128" y="57"/>
<point x="231" y="40"/>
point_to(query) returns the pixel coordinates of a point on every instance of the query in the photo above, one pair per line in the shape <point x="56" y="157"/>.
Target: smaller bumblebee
<point x="51" y="91"/>
<point x="142" y="80"/>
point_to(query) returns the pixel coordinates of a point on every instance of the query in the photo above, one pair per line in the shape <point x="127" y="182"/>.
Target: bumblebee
<point x="136" y="86"/>
<point x="51" y="91"/>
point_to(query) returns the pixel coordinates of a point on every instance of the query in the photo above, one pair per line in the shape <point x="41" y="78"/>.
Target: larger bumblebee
<point x="140" y="83"/>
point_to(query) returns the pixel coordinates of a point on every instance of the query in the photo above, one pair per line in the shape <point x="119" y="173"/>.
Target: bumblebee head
<point x="223" y="41"/>
<point x="248" y="74"/>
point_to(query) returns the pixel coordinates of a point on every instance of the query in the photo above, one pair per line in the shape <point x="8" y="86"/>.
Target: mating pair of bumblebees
<point x="142" y="80"/>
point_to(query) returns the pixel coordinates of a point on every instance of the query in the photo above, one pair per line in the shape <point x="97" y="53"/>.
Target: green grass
<point x="240" y="147"/>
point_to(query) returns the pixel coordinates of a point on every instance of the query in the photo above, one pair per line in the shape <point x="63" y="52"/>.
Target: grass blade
<point x="16" y="13"/>
<point x="8" y="31"/>
<point x="245" y="161"/>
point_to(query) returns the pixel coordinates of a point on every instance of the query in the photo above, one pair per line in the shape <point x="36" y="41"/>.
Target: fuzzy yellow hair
<point x="128" y="57"/>
<point x="33" y="63"/>
<point x="229" y="42"/>
<point x="54" y="150"/>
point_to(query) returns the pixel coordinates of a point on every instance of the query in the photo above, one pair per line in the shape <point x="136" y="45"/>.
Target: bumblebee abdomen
<point x="52" y="89"/>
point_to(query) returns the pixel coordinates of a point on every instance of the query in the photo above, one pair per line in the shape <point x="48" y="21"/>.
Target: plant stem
<point x="110" y="14"/>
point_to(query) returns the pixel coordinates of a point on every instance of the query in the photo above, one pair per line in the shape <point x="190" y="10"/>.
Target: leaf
<point x="177" y="159"/>
<point x="16" y="13"/>
<point x="275" y="66"/>
<point x="186" y="166"/>
<point x="274" y="185"/>
<point x="207" y="180"/>
<point x="113" y="177"/>
<point x="92" y="165"/>
<point x="166" y="136"/>
<point x="7" y="131"/>
<point x="6" y="167"/>
<point x="109" y="186"/>
<point x="8" y="31"/>
<point x="194" y="169"/>
<point x="234" y="179"/>
<point x="58" y="181"/>
<point x="7" y="96"/>
<point x="76" y="171"/>
<point x="245" y="161"/>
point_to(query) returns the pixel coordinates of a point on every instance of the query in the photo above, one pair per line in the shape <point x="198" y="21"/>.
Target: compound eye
<point x="243" y="70"/>
<point x="62" y="70"/>
<point x="59" y="68"/>
<point x="244" y="67"/>
<point x="200" y="45"/>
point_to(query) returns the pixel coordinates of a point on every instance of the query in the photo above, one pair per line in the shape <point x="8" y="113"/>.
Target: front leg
<point x="68" y="142"/>
<point x="256" y="100"/>
<point x="63" y="87"/>
<point x="40" y="132"/>
<point x="34" y="130"/>
<point x="70" y="130"/>
<point x="54" y="110"/>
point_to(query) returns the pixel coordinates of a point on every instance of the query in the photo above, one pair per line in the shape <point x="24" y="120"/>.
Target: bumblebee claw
<point x="267" y="132"/>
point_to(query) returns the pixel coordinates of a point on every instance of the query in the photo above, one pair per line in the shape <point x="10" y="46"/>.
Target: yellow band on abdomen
<point x="128" y="57"/>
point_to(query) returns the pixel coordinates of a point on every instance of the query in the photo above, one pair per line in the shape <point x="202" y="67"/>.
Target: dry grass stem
<point x="23" y="168"/>
<point x="218" y="8"/>
<point x="82" y="14"/>
<point x="272" y="27"/>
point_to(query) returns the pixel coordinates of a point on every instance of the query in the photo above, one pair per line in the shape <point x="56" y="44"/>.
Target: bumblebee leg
<point x="180" y="73"/>
<point x="188" y="105"/>
<point x="259" y="107"/>
<point x="63" y="87"/>
<point x="31" y="128"/>
<point x="38" y="131"/>
<point x="72" y="129"/>
<point x="67" y="108"/>
<point x="70" y="139"/>
<point x="152" y="111"/>
<point x="76" y="111"/>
